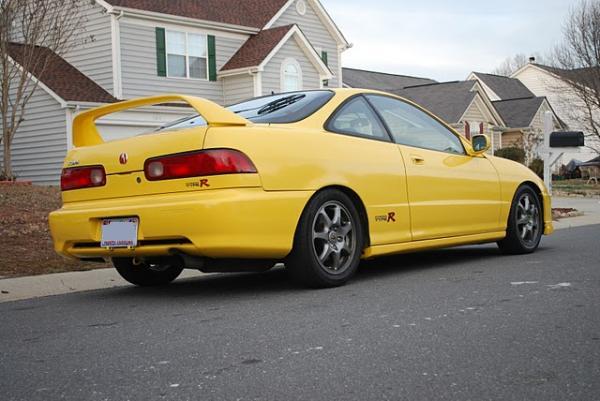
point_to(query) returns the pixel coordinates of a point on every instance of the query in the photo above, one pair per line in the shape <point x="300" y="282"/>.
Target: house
<point x="521" y="110"/>
<point x="222" y="50"/>
<point x="462" y="104"/>
<point x="502" y="108"/>
<point x="355" y="78"/>
<point x="550" y="82"/>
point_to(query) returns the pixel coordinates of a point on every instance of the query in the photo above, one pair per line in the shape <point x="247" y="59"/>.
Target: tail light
<point x="82" y="177"/>
<point x="195" y="164"/>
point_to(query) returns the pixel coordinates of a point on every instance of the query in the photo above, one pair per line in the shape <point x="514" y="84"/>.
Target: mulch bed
<point x="25" y="244"/>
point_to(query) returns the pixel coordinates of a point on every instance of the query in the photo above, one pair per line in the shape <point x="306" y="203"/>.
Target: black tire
<point x="327" y="251"/>
<point x="145" y="275"/>
<point x="525" y="224"/>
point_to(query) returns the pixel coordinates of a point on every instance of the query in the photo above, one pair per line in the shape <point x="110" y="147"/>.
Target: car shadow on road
<point x="277" y="281"/>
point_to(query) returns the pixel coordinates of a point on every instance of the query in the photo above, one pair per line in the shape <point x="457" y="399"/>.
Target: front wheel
<point x="328" y="243"/>
<point x="148" y="274"/>
<point x="525" y="225"/>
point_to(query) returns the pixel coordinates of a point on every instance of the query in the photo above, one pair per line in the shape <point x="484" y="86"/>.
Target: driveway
<point x="457" y="324"/>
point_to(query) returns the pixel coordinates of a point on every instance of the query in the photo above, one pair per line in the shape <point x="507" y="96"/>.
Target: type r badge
<point x="123" y="158"/>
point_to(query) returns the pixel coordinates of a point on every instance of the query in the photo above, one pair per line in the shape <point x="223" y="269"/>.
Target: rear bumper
<point x="221" y="223"/>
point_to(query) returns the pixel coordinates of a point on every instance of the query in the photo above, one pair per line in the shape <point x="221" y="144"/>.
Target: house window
<point x="187" y="55"/>
<point x="291" y="75"/>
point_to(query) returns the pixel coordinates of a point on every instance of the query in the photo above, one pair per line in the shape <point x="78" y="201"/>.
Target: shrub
<point x="512" y="153"/>
<point x="537" y="166"/>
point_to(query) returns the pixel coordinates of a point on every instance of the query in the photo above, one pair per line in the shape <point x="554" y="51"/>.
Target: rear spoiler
<point x="85" y="132"/>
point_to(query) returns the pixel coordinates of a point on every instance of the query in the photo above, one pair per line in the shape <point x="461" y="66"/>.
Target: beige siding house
<point x="547" y="82"/>
<point x="228" y="53"/>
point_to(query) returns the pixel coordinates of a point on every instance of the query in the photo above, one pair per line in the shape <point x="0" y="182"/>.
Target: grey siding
<point x="94" y="57"/>
<point x="237" y="88"/>
<point x="317" y="35"/>
<point x="271" y="77"/>
<point x="138" y="66"/>
<point x="40" y="144"/>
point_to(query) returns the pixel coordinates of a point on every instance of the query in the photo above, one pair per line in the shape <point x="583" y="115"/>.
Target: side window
<point x="357" y="118"/>
<point x="413" y="127"/>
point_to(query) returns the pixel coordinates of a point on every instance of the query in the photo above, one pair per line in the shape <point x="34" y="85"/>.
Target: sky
<point x="445" y="39"/>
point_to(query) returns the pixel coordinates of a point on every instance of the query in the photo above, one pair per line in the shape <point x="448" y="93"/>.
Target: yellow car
<point x="315" y="179"/>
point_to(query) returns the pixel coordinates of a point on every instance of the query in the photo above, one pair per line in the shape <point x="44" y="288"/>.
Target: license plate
<point x="119" y="233"/>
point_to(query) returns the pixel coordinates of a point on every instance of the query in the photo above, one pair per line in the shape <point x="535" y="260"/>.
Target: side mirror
<point x="480" y="144"/>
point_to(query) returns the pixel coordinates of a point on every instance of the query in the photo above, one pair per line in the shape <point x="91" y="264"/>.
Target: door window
<point x="413" y="127"/>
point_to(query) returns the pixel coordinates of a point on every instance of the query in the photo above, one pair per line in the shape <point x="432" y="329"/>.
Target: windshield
<point x="274" y="109"/>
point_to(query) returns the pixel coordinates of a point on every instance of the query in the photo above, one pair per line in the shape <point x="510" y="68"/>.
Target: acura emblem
<point x="123" y="158"/>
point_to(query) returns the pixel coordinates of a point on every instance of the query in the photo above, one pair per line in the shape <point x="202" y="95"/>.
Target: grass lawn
<point x="25" y="242"/>
<point x="575" y="187"/>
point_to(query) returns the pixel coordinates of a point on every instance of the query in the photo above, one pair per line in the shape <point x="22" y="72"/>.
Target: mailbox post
<point x="555" y="145"/>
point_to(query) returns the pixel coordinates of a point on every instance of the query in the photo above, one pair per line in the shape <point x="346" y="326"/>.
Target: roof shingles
<point x="519" y="113"/>
<point x="356" y="78"/>
<point x="61" y="77"/>
<point x="447" y="100"/>
<point x="250" y="13"/>
<point x="505" y="87"/>
<point x="257" y="48"/>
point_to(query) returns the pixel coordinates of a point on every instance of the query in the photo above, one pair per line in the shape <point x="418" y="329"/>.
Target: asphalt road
<point x="458" y="324"/>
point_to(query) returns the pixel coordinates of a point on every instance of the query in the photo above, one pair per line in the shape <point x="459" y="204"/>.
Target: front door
<point x="450" y="193"/>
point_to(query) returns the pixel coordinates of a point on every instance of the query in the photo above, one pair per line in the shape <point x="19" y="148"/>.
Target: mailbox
<point x="567" y="139"/>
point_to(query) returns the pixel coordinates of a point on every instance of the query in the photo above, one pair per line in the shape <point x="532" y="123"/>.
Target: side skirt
<point x="390" y="249"/>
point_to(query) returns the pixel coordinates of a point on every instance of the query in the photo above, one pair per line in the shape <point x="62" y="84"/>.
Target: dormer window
<point x="291" y="75"/>
<point x="186" y="55"/>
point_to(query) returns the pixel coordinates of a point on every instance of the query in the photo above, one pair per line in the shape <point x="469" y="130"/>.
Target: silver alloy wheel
<point x="528" y="219"/>
<point x="333" y="237"/>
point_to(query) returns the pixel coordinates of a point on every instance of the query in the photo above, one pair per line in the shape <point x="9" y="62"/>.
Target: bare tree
<point x="512" y="64"/>
<point x="577" y="63"/>
<point x="31" y="33"/>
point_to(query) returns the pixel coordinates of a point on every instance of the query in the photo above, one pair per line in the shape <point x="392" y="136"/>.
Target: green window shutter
<point x="161" y="53"/>
<point x="212" y="59"/>
<point x="324" y="58"/>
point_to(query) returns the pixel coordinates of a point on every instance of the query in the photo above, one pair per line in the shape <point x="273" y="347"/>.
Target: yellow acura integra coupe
<point x="315" y="179"/>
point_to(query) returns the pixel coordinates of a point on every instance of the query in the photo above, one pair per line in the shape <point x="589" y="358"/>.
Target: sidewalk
<point x="589" y="206"/>
<point x="13" y="289"/>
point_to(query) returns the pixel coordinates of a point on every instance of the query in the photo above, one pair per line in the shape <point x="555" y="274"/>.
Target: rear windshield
<point x="274" y="109"/>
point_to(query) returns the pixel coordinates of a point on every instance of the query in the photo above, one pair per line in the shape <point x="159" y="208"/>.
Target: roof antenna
<point x="532" y="59"/>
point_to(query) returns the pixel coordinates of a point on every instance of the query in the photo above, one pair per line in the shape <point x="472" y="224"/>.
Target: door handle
<point x="417" y="159"/>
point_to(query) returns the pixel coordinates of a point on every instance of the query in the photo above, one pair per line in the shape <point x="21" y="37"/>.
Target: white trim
<point x="493" y="96"/>
<point x="69" y="121"/>
<point x="340" y="69"/>
<point x="278" y="14"/>
<point x="487" y="113"/>
<point x="238" y="71"/>
<point x="257" y="84"/>
<point x="104" y="4"/>
<point x="321" y="14"/>
<point x="305" y="45"/>
<point x="177" y="20"/>
<point x="115" y="31"/>
<point x="497" y="117"/>
<point x="290" y="61"/>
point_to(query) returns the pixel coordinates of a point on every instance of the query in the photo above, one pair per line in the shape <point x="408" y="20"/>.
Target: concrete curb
<point x="14" y="289"/>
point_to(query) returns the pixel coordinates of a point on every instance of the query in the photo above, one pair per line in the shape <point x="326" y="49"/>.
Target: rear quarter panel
<point x="300" y="158"/>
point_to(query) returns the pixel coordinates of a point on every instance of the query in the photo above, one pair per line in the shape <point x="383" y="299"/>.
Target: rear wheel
<point x="525" y="226"/>
<point x="328" y="243"/>
<point x="147" y="274"/>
